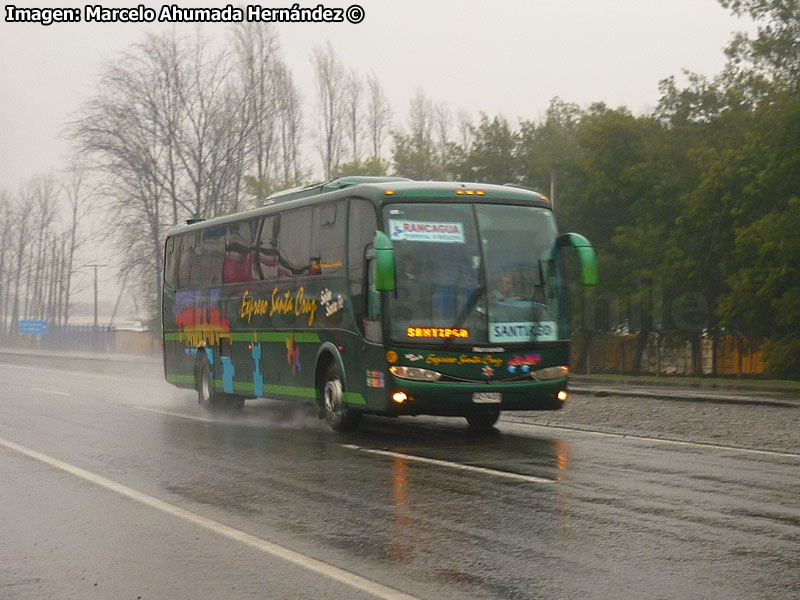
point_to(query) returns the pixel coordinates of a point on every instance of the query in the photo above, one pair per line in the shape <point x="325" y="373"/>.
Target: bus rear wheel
<point x="337" y="413"/>
<point x="483" y="418"/>
<point x="207" y="396"/>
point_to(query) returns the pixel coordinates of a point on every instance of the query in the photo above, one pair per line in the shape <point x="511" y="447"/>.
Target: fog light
<point x="562" y="395"/>
<point x="399" y="397"/>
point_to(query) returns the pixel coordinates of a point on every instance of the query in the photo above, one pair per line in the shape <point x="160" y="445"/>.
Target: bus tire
<point x="207" y="396"/>
<point x="339" y="416"/>
<point x="483" y="418"/>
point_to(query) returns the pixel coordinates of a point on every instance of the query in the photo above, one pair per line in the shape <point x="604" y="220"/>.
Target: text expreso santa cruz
<point x="173" y="13"/>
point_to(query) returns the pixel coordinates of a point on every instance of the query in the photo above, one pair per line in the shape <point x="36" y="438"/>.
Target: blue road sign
<point x="30" y="326"/>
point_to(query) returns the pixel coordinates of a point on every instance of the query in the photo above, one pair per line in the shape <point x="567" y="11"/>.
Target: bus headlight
<point x="550" y="373"/>
<point x="414" y="373"/>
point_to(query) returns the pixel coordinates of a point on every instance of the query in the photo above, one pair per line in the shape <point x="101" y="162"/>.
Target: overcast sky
<point x="507" y="56"/>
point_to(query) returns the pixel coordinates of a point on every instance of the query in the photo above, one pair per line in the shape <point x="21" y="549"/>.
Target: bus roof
<point x="378" y="189"/>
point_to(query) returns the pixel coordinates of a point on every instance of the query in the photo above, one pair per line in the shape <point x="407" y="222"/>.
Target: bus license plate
<point x="487" y="397"/>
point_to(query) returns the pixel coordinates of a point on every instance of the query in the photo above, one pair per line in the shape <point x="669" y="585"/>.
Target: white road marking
<point x="422" y="459"/>
<point x="642" y="438"/>
<point x="301" y="560"/>
<point x="451" y="465"/>
<point x="54" y="392"/>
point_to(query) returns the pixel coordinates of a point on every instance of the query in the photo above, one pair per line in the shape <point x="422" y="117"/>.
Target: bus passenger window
<point x="327" y="239"/>
<point x="187" y="260"/>
<point x="267" y="248"/>
<point x="210" y="258"/>
<point x="172" y="260"/>
<point x="238" y="263"/>
<point x="294" y="243"/>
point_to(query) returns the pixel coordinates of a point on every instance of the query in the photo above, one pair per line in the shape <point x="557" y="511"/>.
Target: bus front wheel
<point x="483" y="418"/>
<point x="337" y="413"/>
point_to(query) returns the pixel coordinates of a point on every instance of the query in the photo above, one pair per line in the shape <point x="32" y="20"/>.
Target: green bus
<point x="375" y="295"/>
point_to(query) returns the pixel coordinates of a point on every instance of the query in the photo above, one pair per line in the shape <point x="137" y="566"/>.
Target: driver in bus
<point x="502" y="289"/>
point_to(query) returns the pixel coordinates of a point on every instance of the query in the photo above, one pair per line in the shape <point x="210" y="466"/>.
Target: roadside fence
<point x="87" y="338"/>
<point x="615" y="353"/>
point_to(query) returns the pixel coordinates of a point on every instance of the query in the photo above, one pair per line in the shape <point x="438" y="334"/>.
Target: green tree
<point x="371" y="166"/>
<point x="492" y="157"/>
<point x="549" y="155"/>
<point x="765" y="290"/>
<point x="771" y="59"/>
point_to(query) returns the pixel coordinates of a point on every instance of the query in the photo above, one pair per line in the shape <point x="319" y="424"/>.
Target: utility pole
<point x="95" y="265"/>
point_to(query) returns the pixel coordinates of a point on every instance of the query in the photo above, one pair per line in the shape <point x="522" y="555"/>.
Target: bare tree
<point x="290" y="103"/>
<point x="379" y="116"/>
<point x="443" y="121"/>
<point x="211" y="124"/>
<point x="329" y="74"/>
<point x="6" y="253"/>
<point x="258" y="66"/>
<point x="465" y="128"/>
<point x="168" y="129"/>
<point x="20" y="215"/>
<point x="353" y="90"/>
<point x="422" y="117"/>
<point x="416" y="154"/>
<point x="43" y="194"/>
<point x="128" y="132"/>
<point x="80" y="199"/>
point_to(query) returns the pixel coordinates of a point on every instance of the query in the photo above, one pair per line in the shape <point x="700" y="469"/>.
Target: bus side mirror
<point x="586" y="256"/>
<point x="384" y="263"/>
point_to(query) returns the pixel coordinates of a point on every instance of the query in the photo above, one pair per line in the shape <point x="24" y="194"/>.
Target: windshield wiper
<point x="471" y="302"/>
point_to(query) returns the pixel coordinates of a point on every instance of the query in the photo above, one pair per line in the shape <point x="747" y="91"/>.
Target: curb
<point x="687" y="396"/>
<point x="28" y="353"/>
<point x="688" y="383"/>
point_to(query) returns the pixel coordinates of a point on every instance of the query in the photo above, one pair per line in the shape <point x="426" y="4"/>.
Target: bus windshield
<point x="475" y="274"/>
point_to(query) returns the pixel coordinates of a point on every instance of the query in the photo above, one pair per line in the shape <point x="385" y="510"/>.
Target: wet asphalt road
<point x="116" y="485"/>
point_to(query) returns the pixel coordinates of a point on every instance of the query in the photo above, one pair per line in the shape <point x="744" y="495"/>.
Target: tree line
<point x="694" y="206"/>
<point x="41" y="236"/>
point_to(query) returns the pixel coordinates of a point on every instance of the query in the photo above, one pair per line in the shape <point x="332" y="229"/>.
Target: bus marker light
<point x="389" y="192"/>
<point x="562" y="395"/>
<point x="340" y="348"/>
<point x="391" y="356"/>
<point x="399" y="397"/>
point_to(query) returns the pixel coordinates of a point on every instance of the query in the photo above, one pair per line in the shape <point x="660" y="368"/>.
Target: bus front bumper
<point x="456" y="399"/>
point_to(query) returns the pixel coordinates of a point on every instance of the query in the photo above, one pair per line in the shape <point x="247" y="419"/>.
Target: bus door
<point x="372" y="375"/>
